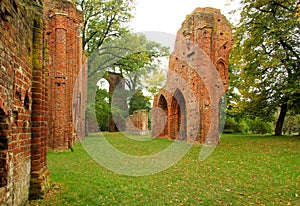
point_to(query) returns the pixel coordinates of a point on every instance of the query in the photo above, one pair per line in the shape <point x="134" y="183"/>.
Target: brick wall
<point x="197" y="78"/>
<point x="63" y="34"/>
<point x="22" y="101"/>
<point x="137" y="123"/>
<point x="116" y="89"/>
<point x="79" y="101"/>
<point x="40" y="63"/>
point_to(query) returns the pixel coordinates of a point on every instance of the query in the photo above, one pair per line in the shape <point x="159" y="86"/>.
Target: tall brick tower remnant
<point x="63" y="22"/>
<point x="188" y="107"/>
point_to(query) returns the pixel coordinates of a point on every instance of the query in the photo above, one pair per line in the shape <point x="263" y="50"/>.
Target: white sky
<point x="160" y="20"/>
<point x="167" y="15"/>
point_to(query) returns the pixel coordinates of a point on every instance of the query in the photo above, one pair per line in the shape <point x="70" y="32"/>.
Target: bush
<point x="232" y="126"/>
<point x="258" y="126"/>
<point x="291" y="124"/>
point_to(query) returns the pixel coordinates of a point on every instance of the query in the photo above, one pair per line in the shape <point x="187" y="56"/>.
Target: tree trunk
<point x="280" y="120"/>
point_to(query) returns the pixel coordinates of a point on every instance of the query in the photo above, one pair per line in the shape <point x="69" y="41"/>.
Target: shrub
<point x="258" y="126"/>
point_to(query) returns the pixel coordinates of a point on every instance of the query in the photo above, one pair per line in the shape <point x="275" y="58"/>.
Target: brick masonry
<point x="137" y="123"/>
<point x="118" y="101"/>
<point x="187" y="108"/>
<point x="40" y="48"/>
<point x="65" y="50"/>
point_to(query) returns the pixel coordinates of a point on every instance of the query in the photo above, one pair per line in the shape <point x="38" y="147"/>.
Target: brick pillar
<point x="39" y="183"/>
<point x="63" y="32"/>
<point x="116" y="88"/>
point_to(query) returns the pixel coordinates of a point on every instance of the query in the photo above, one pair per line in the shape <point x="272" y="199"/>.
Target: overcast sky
<point x="167" y="15"/>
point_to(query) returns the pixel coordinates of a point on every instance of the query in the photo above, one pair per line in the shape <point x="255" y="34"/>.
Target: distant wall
<point x="137" y="123"/>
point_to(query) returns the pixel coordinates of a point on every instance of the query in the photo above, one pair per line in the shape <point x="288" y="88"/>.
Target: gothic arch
<point x="178" y="116"/>
<point x="163" y="104"/>
<point x="116" y="89"/>
<point x="221" y="67"/>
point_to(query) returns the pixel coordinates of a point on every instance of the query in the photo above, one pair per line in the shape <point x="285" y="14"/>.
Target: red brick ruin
<point x="187" y="108"/>
<point x="43" y="80"/>
<point x="116" y="90"/>
<point x="66" y="60"/>
<point x="40" y="60"/>
<point x="137" y="123"/>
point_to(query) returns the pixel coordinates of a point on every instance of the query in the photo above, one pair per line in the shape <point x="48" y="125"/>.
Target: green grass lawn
<point x="242" y="170"/>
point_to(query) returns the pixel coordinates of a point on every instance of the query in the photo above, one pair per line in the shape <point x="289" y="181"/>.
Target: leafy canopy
<point x="103" y="21"/>
<point x="265" y="59"/>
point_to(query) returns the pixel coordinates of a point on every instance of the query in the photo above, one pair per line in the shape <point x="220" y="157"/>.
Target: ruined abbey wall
<point x="22" y="102"/>
<point x="65" y="50"/>
<point x="137" y="123"/>
<point x="187" y="108"/>
<point x="29" y="64"/>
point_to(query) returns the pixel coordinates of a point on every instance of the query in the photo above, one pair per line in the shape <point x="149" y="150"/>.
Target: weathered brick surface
<point x="22" y="100"/>
<point x="63" y="33"/>
<point x="40" y="60"/>
<point x="187" y="109"/>
<point x="137" y="123"/>
<point x="117" y="90"/>
<point x="80" y="100"/>
<point x="39" y="182"/>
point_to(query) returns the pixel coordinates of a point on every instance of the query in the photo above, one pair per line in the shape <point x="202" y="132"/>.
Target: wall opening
<point x="221" y="69"/>
<point x="164" y="106"/>
<point x="178" y="116"/>
<point x="3" y="147"/>
<point x="26" y="101"/>
<point x="102" y="107"/>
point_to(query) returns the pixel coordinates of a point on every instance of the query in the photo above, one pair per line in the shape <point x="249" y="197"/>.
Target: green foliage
<point x="102" y="109"/>
<point x="259" y="126"/>
<point x="139" y="101"/>
<point x="237" y="173"/>
<point x="266" y="57"/>
<point x="233" y="126"/>
<point x="133" y="56"/>
<point x="131" y="53"/>
<point x="104" y="20"/>
<point x="291" y="124"/>
<point x="156" y="81"/>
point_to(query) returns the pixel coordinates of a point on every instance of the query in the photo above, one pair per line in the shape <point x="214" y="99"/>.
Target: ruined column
<point x="63" y="33"/>
<point x="117" y="90"/>
<point x="39" y="182"/>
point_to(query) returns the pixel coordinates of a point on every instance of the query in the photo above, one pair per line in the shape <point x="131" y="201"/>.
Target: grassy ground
<point x="243" y="170"/>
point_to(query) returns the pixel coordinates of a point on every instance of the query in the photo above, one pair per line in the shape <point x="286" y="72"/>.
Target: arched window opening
<point x="178" y="116"/>
<point x="164" y="107"/>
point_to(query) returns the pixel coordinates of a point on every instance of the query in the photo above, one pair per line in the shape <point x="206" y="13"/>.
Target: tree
<point x="103" y="21"/>
<point x="141" y="59"/>
<point x="259" y="126"/>
<point x="102" y="109"/>
<point x="156" y="81"/>
<point x="266" y="59"/>
<point x="133" y="56"/>
<point x="139" y="101"/>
